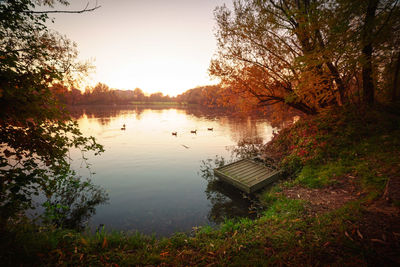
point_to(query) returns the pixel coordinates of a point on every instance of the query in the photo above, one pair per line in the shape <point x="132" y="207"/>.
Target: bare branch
<point x="86" y="9"/>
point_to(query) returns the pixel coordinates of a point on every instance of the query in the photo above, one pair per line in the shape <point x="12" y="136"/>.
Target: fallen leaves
<point x="84" y="241"/>
<point x="359" y="234"/>
<point x="348" y="236"/>
<point x="104" y="245"/>
<point x="164" y="254"/>
<point x="378" y="241"/>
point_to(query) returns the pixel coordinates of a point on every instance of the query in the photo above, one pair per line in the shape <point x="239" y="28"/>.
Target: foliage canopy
<point x="308" y="54"/>
<point x="36" y="133"/>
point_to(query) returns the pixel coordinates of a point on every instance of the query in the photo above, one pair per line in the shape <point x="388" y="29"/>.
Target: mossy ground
<point x="340" y="207"/>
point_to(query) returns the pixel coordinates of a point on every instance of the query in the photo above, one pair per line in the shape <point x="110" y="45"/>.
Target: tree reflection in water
<point x="248" y="147"/>
<point x="227" y="201"/>
<point x="71" y="201"/>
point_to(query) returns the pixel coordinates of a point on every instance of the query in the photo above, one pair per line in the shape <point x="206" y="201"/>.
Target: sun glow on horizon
<point x="165" y="79"/>
<point x="157" y="46"/>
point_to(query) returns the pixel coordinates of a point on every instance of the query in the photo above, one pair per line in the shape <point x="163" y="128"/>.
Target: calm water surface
<point x="153" y="178"/>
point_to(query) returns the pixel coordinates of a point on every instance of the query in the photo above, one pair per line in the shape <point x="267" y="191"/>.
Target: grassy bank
<point x="339" y="206"/>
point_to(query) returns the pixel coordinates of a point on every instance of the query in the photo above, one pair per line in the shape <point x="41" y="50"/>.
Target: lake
<point x="154" y="179"/>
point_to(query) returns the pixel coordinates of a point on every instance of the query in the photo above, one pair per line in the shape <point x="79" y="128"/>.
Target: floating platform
<point x="247" y="175"/>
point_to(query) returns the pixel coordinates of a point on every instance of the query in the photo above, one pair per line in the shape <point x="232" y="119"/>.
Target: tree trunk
<point x="367" y="50"/>
<point x="368" y="83"/>
<point x="396" y="78"/>
<point x="334" y="71"/>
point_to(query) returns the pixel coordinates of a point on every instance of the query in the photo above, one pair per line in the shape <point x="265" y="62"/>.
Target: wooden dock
<point x="247" y="175"/>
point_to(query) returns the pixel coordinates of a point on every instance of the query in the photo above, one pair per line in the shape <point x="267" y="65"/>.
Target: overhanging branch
<point x="86" y="9"/>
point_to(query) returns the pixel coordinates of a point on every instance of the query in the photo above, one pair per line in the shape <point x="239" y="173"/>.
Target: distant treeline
<point x="202" y="95"/>
<point x="102" y="94"/>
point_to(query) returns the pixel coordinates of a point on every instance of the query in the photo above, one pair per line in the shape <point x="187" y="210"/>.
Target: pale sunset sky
<point x="156" y="45"/>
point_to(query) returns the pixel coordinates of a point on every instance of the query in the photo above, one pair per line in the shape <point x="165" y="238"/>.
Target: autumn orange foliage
<point x="308" y="55"/>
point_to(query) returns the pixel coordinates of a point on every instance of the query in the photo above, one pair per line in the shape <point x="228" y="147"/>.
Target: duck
<point x="175" y="133"/>
<point x="210" y="129"/>
<point x="193" y="131"/>
<point x="123" y="127"/>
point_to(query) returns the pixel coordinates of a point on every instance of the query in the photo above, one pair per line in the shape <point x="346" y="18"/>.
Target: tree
<point x="367" y="50"/>
<point x="306" y="54"/>
<point x="373" y="31"/>
<point x="267" y="51"/>
<point x="138" y="94"/>
<point x="35" y="132"/>
<point x="156" y="97"/>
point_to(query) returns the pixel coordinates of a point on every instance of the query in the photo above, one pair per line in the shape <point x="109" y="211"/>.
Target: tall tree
<point x="273" y="51"/>
<point x="374" y="32"/>
<point x="138" y="94"/>
<point x="307" y="54"/>
<point x="35" y="133"/>
<point x="367" y="50"/>
<point x="396" y="74"/>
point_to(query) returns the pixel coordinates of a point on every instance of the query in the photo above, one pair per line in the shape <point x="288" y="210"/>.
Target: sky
<point x="156" y="45"/>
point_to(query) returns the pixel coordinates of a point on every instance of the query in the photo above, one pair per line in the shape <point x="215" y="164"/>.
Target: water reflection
<point x="226" y="201"/>
<point x="71" y="202"/>
<point x="153" y="177"/>
<point x="248" y="147"/>
<point x="110" y="111"/>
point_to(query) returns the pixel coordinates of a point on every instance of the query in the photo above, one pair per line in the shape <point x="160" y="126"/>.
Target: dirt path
<point x="379" y="227"/>
<point x="320" y="200"/>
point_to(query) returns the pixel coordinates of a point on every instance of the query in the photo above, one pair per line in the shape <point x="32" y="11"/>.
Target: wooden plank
<point x="234" y="169"/>
<point x="262" y="172"/>
<point x="247" y="175"/>
<point x="233" y="182"/>
<point x="273" y="178"/>
<point x="257" y="171"/>
<point x="232" y="163"/>
<point x="239" y="174"/>
<point x="266" y="173"/>
<point x="244" y="178"/>
<point x="264" y="176"/>
<point x="247" y="164"/>
<point x="255" y="176"/>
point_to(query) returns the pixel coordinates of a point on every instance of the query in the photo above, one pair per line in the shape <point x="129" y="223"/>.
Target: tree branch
<point x="86" y="9"/>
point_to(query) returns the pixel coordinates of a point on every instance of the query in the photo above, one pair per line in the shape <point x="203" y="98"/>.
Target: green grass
<point x="283" y="234"/>
<point x="317" y="176"/>
<point x="369" y="161"/>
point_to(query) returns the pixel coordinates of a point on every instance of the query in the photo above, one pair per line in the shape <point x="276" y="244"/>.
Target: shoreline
<point x="340" y="205"/>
